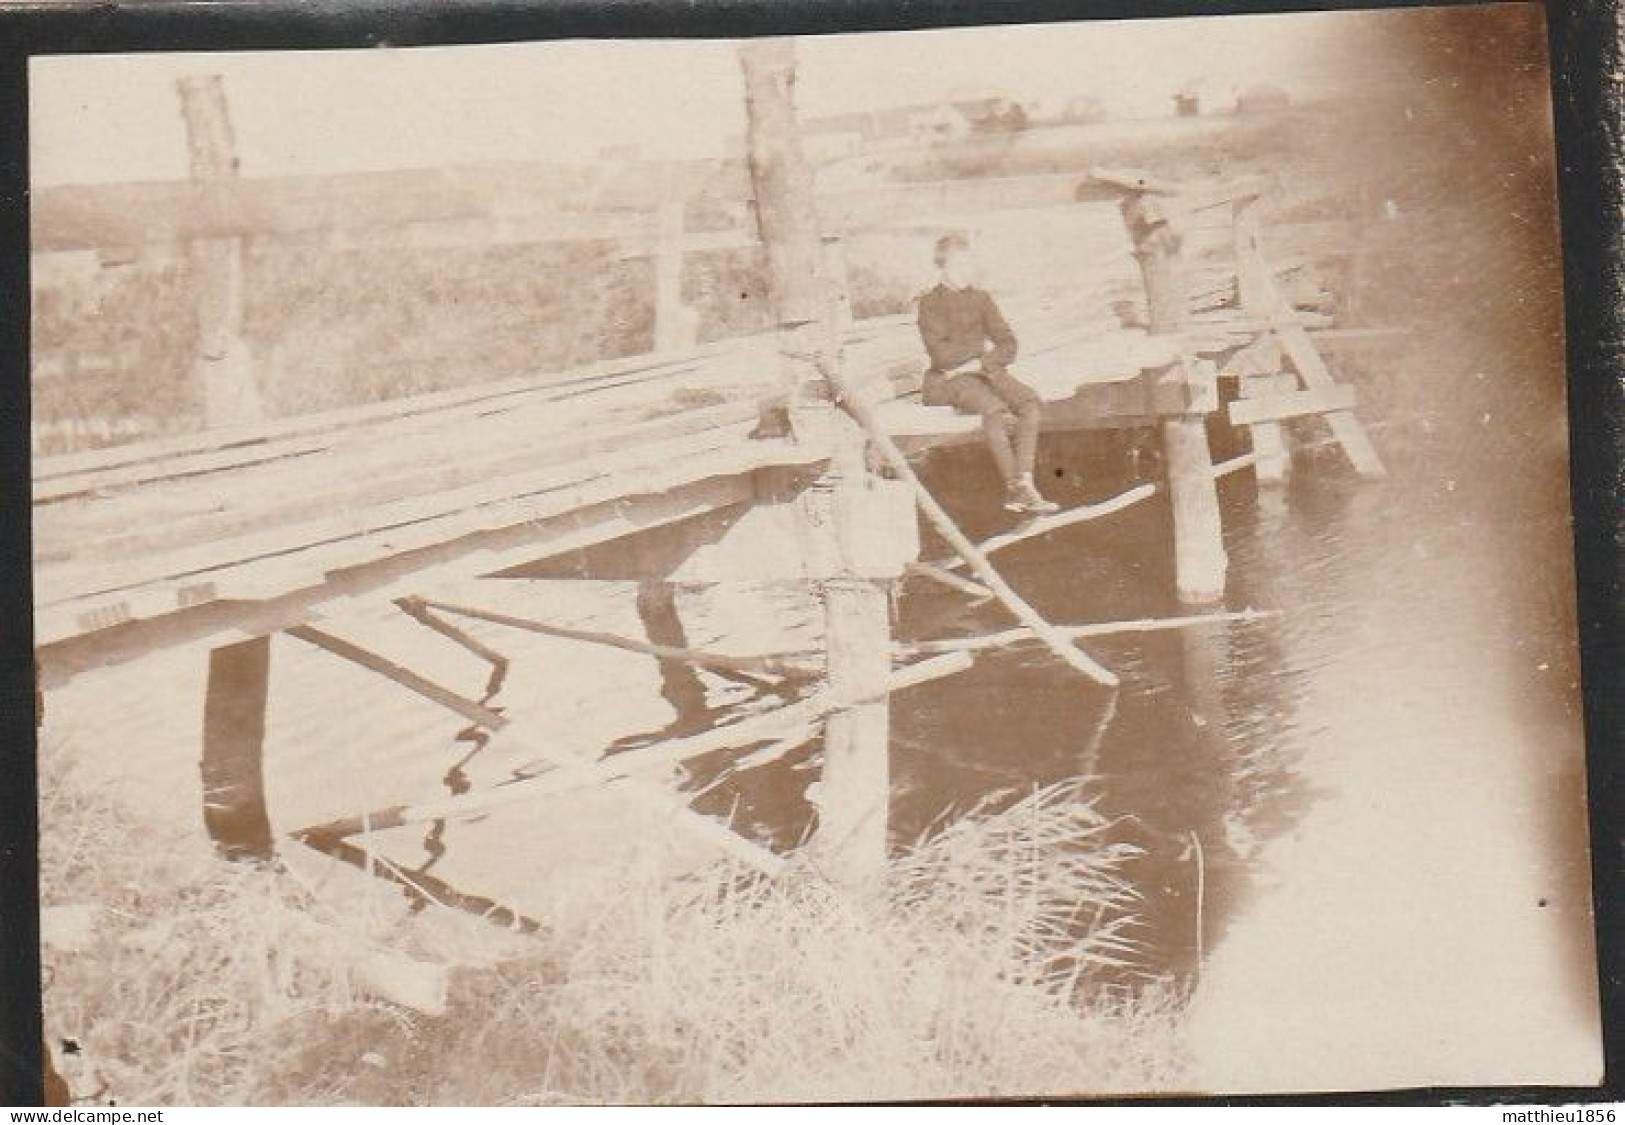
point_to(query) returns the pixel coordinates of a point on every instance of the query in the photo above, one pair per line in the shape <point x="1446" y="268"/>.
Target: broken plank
<point x="948" y="578"/>
<point x="1046" y="524"/>
<point x="1234" y="464"/>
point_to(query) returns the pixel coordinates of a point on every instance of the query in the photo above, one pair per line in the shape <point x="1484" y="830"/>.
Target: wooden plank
<point x="349" y="417"/>
<point x="466" y="453"/>
<point x="458" y="435"/>
<point x="1273" y="408"/>
<point x="222" y="511"/>
<point x="1006" y="637"/>
<point x="948" y="578"/>
<point x="548" y="386"/>
<point x="73" y="485"/>
<point x="57" y="584"/>
<point x="1131" y="180"/>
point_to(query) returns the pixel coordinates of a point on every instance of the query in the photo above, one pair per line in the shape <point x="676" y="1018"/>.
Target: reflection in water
<point x="232" y="766"/>
<point x="474" y="736"/>
<point x="419" y="886"/>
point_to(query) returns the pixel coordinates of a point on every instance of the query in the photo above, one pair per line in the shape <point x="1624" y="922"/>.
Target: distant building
<point x="847" y="134"/>
<point x="1262" y="98"/>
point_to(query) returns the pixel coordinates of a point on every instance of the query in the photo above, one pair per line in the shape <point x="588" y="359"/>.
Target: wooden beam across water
<point x="1007" y="637"/>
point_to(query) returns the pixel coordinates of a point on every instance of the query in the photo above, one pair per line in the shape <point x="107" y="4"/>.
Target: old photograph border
<point x="1584" y="44"/>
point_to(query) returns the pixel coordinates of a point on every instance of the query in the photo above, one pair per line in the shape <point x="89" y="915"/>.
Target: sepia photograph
<point x="1028" y="561"/>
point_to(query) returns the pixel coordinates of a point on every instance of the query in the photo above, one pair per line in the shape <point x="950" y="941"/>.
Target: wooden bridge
<point x="655" y="469"/>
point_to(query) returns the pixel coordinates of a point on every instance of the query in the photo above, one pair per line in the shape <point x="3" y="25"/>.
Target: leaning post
<point x="223" y="366"/>
<point x="850" y="562"/>
<point x="1199" y="556"/>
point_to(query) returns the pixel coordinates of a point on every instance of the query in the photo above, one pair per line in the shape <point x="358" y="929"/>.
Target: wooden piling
<point x="233" y="768"/>
<point x="224" y="368"/>
<point x="807" y="286"/>
<point x="1199" y="556"/>
<point x="1273" y="457"/>
<point x="855" y="788"/>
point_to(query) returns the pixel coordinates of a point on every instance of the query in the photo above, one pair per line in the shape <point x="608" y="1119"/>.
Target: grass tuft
<point x="978" y="973"/>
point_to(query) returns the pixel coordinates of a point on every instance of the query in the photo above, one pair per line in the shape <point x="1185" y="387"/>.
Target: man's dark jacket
<point x="957" y="326"/>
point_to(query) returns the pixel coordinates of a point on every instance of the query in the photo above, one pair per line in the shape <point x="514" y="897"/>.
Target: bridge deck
<point x="297" y="511"/>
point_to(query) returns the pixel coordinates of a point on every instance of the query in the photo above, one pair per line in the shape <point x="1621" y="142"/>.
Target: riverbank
<point x="985" y="974"/>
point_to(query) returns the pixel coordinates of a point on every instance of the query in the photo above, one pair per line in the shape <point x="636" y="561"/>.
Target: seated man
<point x="970" y="347"/>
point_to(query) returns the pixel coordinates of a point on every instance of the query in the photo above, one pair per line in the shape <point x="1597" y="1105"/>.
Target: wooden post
<point x="676" y="326"/>
<point x="854" y="791"/>
<point x="233" y="749"/>
<point x="854" y="794"/>
<point x="782" y="179"/>
<point x="224" y="369"/>
<point x="1254" y="296"/>
<point x="1199" y="556"/>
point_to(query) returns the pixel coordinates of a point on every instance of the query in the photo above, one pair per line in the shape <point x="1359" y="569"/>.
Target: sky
<point x="116" y="117"/>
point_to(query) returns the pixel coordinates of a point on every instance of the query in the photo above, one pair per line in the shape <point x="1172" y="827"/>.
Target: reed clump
<point x="981" y="971"/>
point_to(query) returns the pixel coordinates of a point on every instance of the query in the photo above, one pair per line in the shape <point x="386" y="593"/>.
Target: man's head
<point x="956" y="260"/>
